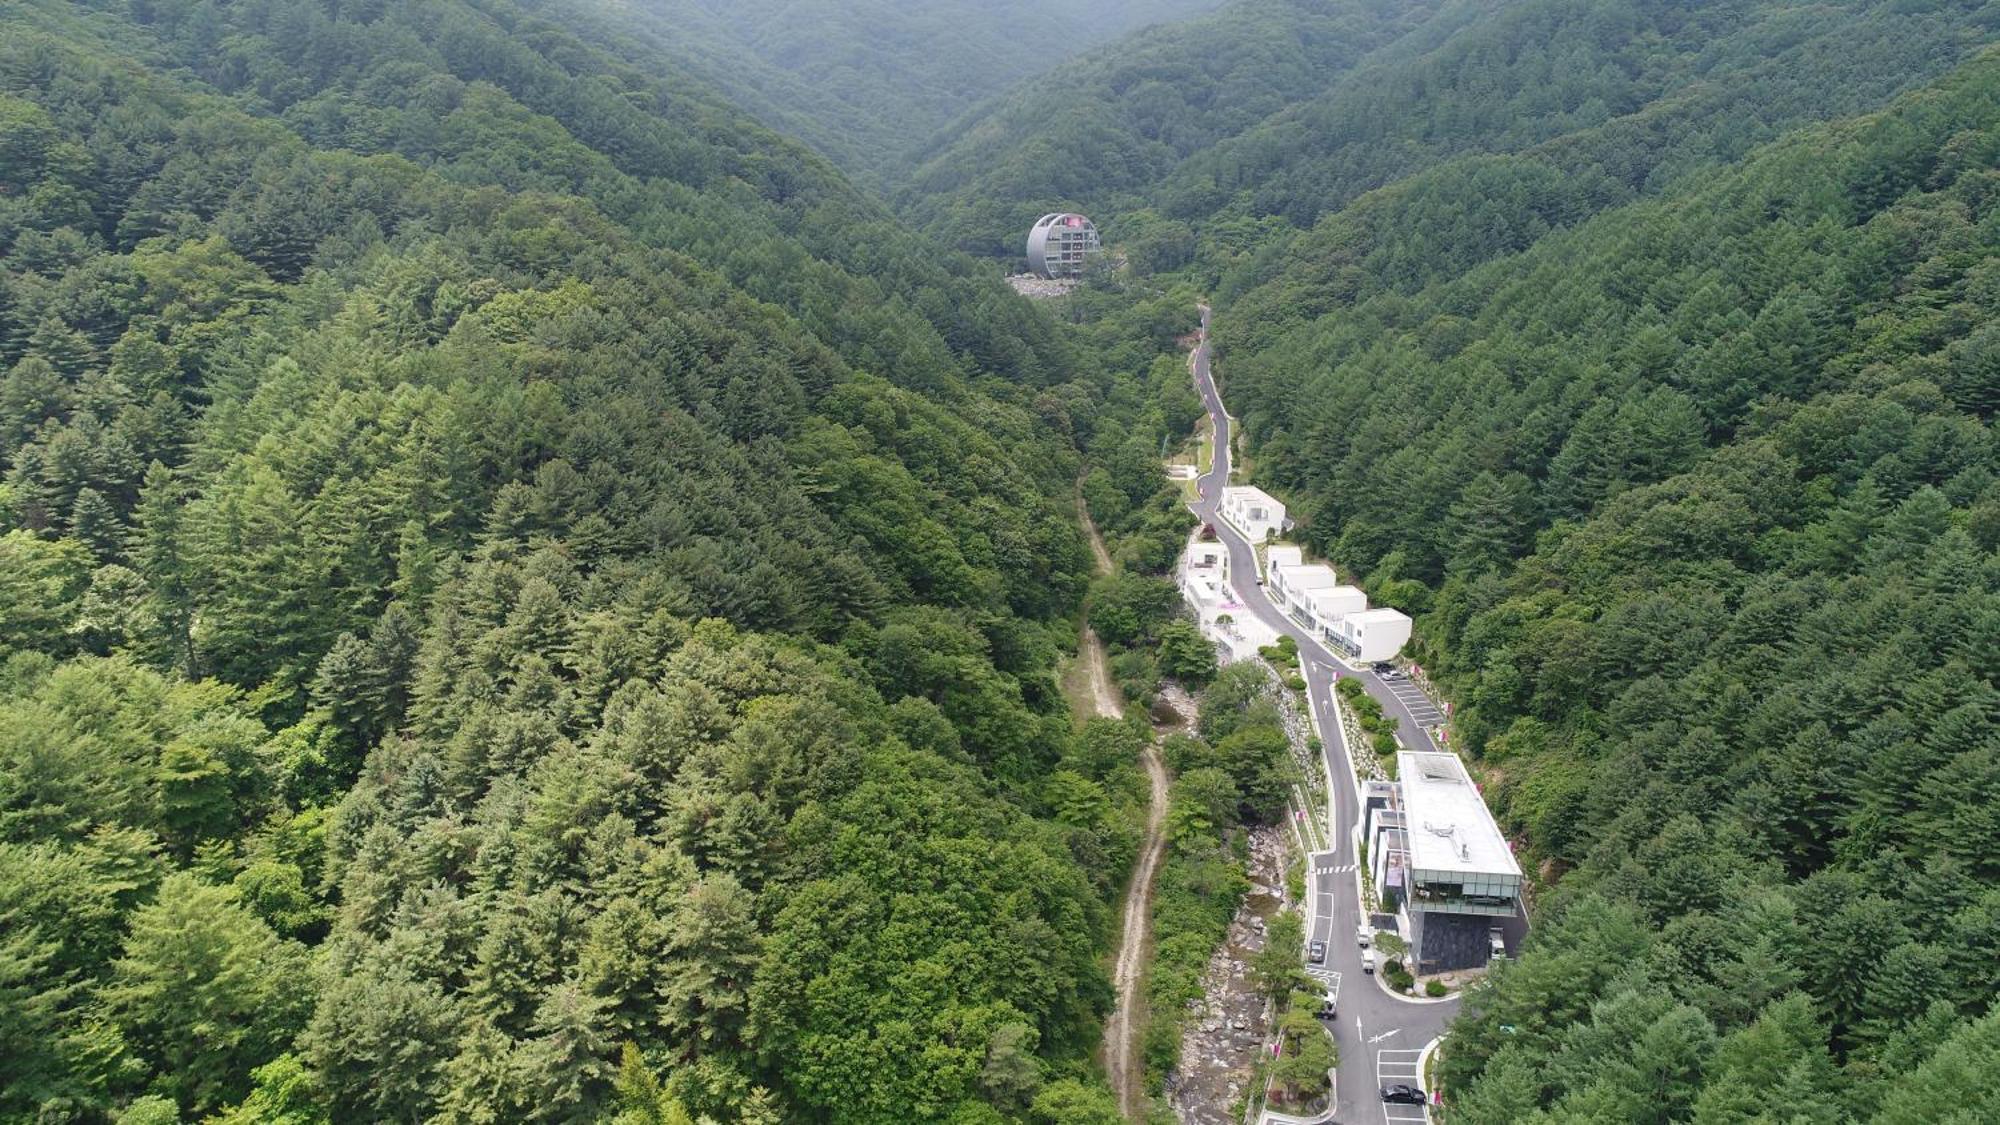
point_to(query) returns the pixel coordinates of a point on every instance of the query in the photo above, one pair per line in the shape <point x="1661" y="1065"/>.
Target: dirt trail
<point x="1097" y="550"/>
<point x="1121" y="1032"/>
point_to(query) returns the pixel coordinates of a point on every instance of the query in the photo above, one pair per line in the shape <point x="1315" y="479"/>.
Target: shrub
<point x="1435" y="988"/>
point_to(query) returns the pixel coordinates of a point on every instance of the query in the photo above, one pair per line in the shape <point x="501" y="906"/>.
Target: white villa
<point x="1312" y="595"/>
<point x="1292" y="587"/>
<point x="1252" y="511"/>
<point x="1204" y="582"/>
<point x="1371" y="635"/>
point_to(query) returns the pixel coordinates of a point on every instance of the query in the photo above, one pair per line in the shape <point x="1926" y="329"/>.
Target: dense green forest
<point x="1699" y="504"/>
<point x="867" y="81"/>
<point x="523" y="596"/>
<point x="527" y="595"/>
<point x="1209" y="141"/>
<point x="1116" y="121"/>
<point x="1625" y="348"/>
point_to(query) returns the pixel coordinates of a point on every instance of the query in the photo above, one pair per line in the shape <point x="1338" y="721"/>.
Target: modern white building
<point x="1061" y="243"/>
<point x="1312" y="595"/>
<point x="1293" y="586"/>
<point x="1370" y="635"/>
<point x="1461" y="872"/>
<point x="1205" y="560"/>
<point x="1329" y="606"/>
<point x="1252" y="511"/>
<point x="1204" y="583"/>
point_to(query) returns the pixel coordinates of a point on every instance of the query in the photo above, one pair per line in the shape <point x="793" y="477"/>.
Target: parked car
<point x="1364" y="935"/>
<point x="1316" y="953"/>
<point x="1368" y="961"/>
<point x="1382" y="668"/>
<point x="1497" y="941"/>
<point x="1326" y="1007"/>
<point x="1400" y="1094"/>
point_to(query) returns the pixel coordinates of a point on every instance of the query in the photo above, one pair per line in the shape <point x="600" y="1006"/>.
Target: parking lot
<point x="1413" y="698"/>
<point x="1399" y="1066"/>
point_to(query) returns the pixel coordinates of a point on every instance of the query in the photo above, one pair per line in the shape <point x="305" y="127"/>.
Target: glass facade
<point x="1465" y="892"/>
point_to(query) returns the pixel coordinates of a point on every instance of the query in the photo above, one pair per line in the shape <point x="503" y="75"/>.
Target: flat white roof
<point x="1248" y="492"/>
<point x="1346" y="599"/>
<point x="1449" y="825"/>
<point x="1283" y="554"/>
<point x="1377" y="615"/>
<point x="1311" y="576"/>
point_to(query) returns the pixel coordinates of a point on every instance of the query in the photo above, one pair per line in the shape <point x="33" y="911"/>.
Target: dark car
<point x="1316" y="953"/>
<point x="1384" y="669"/>
<point x="1403" y="1095"/>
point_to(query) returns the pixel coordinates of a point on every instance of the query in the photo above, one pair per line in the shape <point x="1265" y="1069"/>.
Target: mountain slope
<point x="1698" y="504"/>
<point x="1120" y="118"/>
<point x="1640" y="354"/>
<point x="1232" y="147"/>
<point x="496" y="551"/>
<point x="865" y="82"/>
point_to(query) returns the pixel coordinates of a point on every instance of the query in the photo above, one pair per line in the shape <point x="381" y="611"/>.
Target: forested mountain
<point x="866" y="81"/>
<point x="1117" y="121"/>
<point x="1700" y="504"/>
<point x="1642" y="354"/>
<point x="523" y="596"/>
<point x="1268" y="114"/>
<point x="526" y="595"/>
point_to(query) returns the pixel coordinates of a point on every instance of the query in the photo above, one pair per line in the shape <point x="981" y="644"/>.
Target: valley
<point x="669" y="562"/>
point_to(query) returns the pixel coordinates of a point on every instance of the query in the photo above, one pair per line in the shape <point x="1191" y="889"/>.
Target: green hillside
<point x="1703" y="502"/>
<point x="528" y="595"/>
<point x="523" y="597"/>
<point x="1111" y="125"/>
<point x="1212" y="137"/>
<point x="1642" y="354"/>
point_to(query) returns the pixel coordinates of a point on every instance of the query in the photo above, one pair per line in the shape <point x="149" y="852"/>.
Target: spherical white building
<point x="1059" y="243"/>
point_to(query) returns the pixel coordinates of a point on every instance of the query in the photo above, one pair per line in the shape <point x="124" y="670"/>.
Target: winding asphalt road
<point x="1379" y="1033"/>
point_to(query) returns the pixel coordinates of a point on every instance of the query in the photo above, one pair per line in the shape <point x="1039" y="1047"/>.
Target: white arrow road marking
<point x="1385" y="1035"/>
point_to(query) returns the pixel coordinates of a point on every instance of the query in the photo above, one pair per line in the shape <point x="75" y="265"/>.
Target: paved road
<point x="1376" y="1030"/>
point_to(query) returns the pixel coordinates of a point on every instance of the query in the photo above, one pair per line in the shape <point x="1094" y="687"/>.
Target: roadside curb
<point x="1423" y="1063"/>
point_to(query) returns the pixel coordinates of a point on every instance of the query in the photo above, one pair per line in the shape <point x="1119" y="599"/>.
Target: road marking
<point x="1399" y="1066"/>
<point x="1386" y="1034"/>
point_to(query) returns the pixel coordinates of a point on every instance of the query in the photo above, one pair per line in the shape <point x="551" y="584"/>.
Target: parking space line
<point x="1399" y="1066"/>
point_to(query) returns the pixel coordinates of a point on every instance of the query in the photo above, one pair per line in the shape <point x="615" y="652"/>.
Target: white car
<point x="1367" y="960"/>
<point x="1363" y="935"/>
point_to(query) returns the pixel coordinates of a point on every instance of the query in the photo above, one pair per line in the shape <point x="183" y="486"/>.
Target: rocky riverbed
<point x="1221" y="1044"/>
